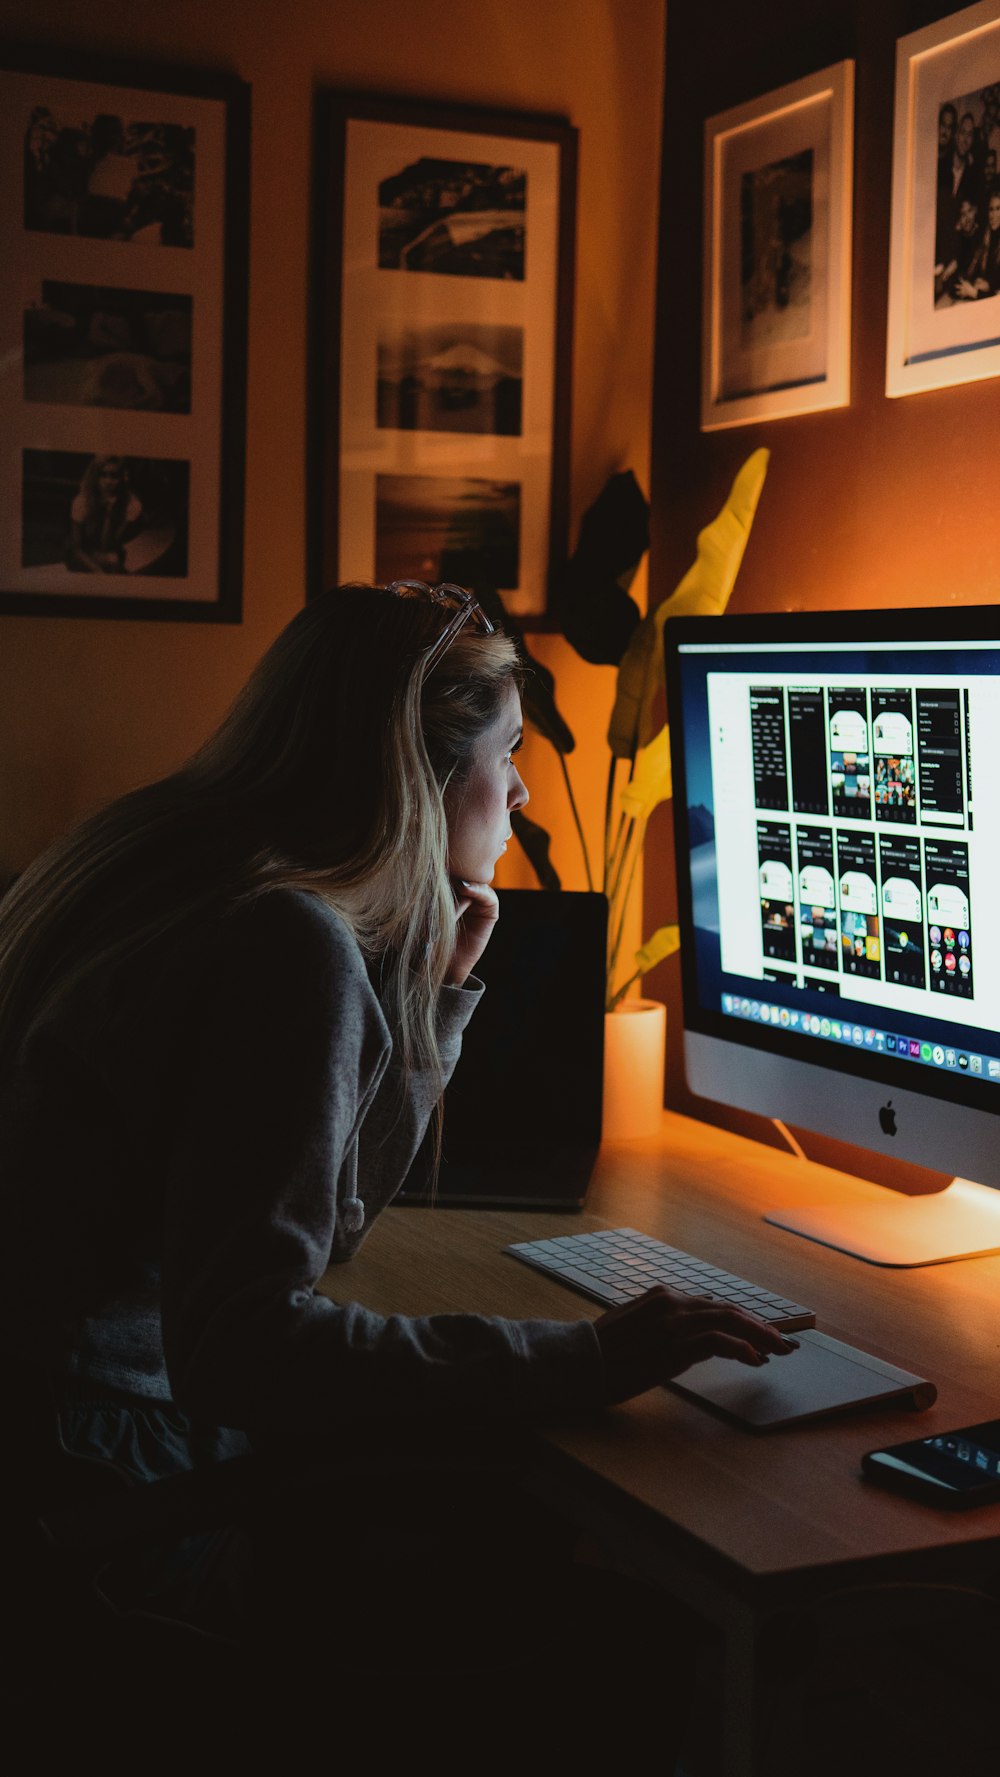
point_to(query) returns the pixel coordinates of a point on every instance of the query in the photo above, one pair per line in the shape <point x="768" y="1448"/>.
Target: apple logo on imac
<point x="887" y="1119"/>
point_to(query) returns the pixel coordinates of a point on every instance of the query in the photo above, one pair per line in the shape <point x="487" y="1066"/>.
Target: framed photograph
<point x="944" y="268"/>
<point x="442" y="336"/>
<point x="776" y="320"/>
<point x="123" y="237"/>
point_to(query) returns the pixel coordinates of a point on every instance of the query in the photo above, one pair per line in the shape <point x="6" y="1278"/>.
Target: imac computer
<point x="837" y="813"/>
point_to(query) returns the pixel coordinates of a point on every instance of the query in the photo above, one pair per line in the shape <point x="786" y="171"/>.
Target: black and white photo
<point x="943" y="319"/>
<point x="433" y="527"/>
<point x="453" y="217"/>
<point x="104" y="515"/>
<point x="967" y="211"/>
<point x="776" y="206"/>
<point x="86" y="346"/>
<point x="108" y="177"/>
<point x="124" y="234"/>
<point x="442" y="333"/>
<point x="777" y="253"/>
<point x="451" y="378"/>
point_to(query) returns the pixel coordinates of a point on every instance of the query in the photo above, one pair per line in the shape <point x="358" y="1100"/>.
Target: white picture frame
<point x="776" y="328"/>
<point x="936" y="337"/>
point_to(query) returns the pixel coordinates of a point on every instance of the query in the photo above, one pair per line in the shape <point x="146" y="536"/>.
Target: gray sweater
<point x="173" y="1148"/>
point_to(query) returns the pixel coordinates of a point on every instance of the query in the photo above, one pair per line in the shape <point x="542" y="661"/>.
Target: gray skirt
<point x="103" y="1438"/>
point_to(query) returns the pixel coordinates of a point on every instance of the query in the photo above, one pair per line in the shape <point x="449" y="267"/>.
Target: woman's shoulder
<point x="298" y="923"/>
<point x="287" y="949"/>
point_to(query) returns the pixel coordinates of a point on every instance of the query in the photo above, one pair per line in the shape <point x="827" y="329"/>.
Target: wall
<point x="89" y="708"/>
<point x="882" y="503"/>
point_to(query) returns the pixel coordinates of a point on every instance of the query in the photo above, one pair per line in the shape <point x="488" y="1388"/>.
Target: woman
<point x="229" y="1004"/>
<point x="104" y="516"/>
<point x="983" y="276"/>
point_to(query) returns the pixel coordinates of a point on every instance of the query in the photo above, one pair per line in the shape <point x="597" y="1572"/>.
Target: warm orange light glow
<point x="635" y="1037"/>
<point x="585" y="695"/>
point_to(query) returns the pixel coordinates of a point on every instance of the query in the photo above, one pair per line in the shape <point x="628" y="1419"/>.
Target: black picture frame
<point x="123" y="337"/>
<point x="441" y="346"/>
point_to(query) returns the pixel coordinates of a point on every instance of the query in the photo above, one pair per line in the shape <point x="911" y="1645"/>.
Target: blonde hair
<point x="328" y="775"/>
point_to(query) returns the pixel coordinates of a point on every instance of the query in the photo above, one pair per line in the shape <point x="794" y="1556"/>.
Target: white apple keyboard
<point x="613" y="1265"/>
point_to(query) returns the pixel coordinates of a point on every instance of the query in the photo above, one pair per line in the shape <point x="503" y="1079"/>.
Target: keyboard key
<point x="620" y="1264"/>
<point x="594" y="1286"/>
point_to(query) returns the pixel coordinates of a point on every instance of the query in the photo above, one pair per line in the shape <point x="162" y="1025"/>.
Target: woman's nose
<point x="519" y="793"/>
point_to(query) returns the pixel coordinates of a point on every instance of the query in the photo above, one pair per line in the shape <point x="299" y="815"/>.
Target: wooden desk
<point x="739" y="1524"/>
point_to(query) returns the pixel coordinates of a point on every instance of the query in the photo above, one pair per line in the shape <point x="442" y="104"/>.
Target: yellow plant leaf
<point x="704" y="591"/>
<point x="651" y="782"/>
<point x="663" y="943"/>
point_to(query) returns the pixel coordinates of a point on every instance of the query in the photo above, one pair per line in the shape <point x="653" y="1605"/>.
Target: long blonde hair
<point x="327" y="775"/>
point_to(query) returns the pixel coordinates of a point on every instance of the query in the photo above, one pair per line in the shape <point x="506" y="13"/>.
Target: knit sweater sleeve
<point x="289" y="1059"/>
<point x="397" y="1118"/>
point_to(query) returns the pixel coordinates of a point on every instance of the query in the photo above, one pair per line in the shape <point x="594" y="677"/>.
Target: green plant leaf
<point x="590" y="592"/>
<point x="535" y="843"/>
<point x="704" y="591"/>
<point x="538" y="694"/>
<point x="651" y="781"/>
<point x="663" y="943"/>
<point x="539" y="704"/>
<point x="598" y="617"/>
<point x="614" y="530"/>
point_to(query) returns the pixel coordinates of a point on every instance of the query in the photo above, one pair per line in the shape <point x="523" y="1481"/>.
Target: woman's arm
<point x="133" y="521"/>
<point x="399" y="1114"/>
<point x="79" y="557"/>
<point x="397" y="1120"/>
<point x="289" y="1054"/>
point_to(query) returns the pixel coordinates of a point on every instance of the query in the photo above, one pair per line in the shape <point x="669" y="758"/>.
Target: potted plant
<point x="603" y="623"/>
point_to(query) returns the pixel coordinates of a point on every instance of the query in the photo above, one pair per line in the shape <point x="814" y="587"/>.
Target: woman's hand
<point x="477" y="910"/>
<point x="664" y="1332"/>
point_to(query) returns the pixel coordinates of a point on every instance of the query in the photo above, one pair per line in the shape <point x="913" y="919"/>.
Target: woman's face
<point x="995" y="211"/>
<point x="967" y="217"/>
<point x="109" y="481"/>
<point x="478" y="806"/>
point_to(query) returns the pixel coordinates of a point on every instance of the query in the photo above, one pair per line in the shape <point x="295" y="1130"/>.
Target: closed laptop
<point x="522" y="1117"/>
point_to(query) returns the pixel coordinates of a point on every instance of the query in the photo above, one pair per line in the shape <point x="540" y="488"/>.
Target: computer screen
<point x="837" y="818"/>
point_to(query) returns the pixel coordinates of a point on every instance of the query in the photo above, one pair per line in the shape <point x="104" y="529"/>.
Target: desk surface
<point x="761" y="1507"/>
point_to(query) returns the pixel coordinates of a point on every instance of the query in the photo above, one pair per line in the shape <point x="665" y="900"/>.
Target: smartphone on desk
<point x="954" y="1469"/>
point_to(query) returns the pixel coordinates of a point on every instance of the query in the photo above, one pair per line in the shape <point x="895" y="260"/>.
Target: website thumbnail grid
<point x="846" y="848"/>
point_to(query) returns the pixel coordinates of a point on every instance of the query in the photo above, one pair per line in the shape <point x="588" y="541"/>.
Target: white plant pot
<point x="635" y="1042"/>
